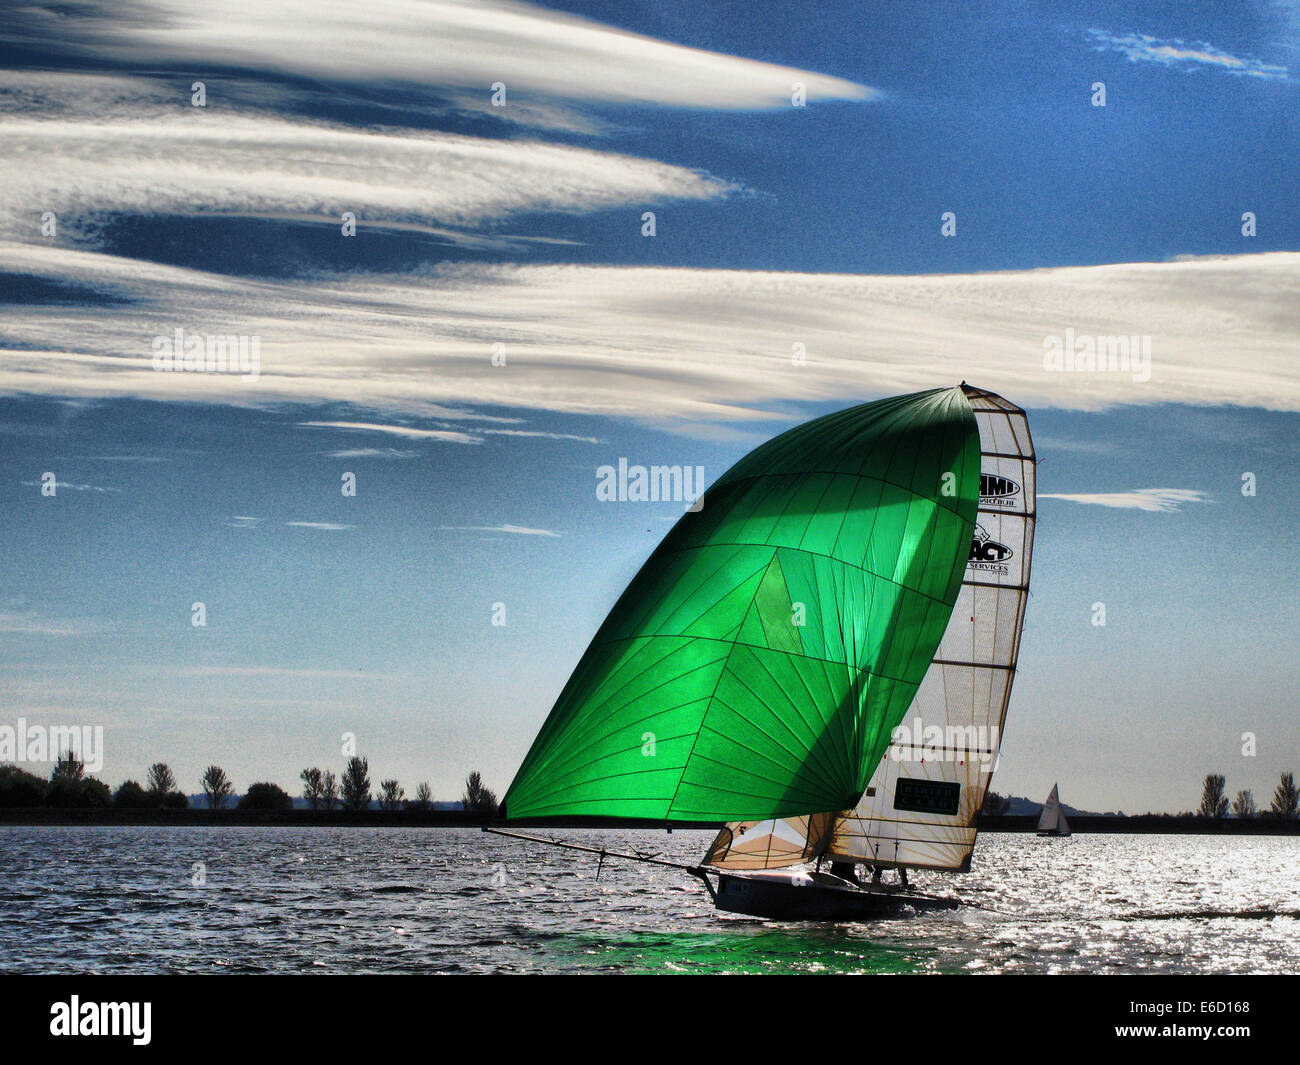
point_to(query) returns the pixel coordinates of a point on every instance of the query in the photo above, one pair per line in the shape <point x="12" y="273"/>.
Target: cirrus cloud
<point x="1139" y="47"/>
<point x="538" y="54"/>
<point x="671" y="346"/>
<point x="156" y="161"/>
<point x="1151" y="499"/>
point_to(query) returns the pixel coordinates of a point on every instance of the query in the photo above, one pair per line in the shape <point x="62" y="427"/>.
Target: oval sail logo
<point x="997" y="491"/>
<point x="985" y="552"/>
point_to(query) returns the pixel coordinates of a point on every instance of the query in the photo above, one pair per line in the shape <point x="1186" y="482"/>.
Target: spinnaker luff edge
<point x="758" y="663"/>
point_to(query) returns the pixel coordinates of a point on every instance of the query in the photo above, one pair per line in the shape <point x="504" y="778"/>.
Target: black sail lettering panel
<point x="927" y="796"/>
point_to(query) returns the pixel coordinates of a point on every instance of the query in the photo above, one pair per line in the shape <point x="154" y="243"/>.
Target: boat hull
<point x="817" y="897"/>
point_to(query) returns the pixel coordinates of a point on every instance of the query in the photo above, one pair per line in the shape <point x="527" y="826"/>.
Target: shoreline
<point x="1146" y="824"/>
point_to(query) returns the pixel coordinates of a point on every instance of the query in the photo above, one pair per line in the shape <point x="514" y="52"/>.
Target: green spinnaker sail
<point x="757" y="664"/>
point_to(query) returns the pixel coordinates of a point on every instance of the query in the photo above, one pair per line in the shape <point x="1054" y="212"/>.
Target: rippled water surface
<point x="392" y="900"/>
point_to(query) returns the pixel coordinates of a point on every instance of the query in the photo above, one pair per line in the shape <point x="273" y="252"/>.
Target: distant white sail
<point x="1052" y="822"/>
<point x="1051" y="815"/>
<point x="922" y="806"/>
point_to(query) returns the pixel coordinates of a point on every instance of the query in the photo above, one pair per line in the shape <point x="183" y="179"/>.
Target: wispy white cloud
<point x="370" y="453"/>
<point x="150" y="459"/>
<point x="276" y="671"/>
<point x="321" y="526"/>
<point x="444" y="435"/>
<point x="34" y="623"/>
<point x="538" y="54"/>
<point x="69" y="487"/>
<point x="1152" y="499"/>
<point x="514" y="530"/>
<point x="679" y="347"/>
<point x="156" y="158"/>
<point x="1139" y="47"/>
<point x="245" y="521"/>
<point x="450" y="436"/>
<point x="538" y="434"/>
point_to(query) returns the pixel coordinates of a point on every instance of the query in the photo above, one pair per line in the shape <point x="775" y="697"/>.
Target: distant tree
<point x="130" y="796"/>
<point x="176" y="800"/>
<point x="63" y="794"/>
<point x="478" y="798"/>
<point x="356" y="783"/>
<point x="161" y="781"/>
<point x="423" y="797"/>
<point x="65" y="788"/>
<point x="78" y="795"/>
<point x="1214" y="803"/>
<point x="313" y="786"/>
<point x="69" y="769"/>
<point x="391" y="794"/>
<point x="264" y="796"/>
<point x="329" y="790"/>
<point x="70" y="787"/>
<point x="95" y="793"/>
<point x="1243" y="805"/>
<point x="19" y="788"/>
<point x="996" y="805"/>
<point x="216" y="786"/>
<point x="1286" y="798"/>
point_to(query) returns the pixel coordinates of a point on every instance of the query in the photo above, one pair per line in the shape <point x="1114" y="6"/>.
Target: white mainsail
<point x="1052" y="822"/>
<point x="922" y="806"/>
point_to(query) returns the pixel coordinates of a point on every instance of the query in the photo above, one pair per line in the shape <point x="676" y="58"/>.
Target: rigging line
<point x="601" y="851"/>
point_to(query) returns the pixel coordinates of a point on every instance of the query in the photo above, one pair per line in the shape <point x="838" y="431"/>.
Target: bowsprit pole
<point x="603" y="853"/>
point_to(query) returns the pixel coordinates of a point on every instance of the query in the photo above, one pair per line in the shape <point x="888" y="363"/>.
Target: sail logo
<point x="998" y="491"/>
<point x="651" y="484"/>
<point x="986" y="554"/>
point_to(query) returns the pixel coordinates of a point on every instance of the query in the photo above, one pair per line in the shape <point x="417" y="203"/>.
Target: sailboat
<point x="1052" y="822"/>
<point x="864" y="568"/>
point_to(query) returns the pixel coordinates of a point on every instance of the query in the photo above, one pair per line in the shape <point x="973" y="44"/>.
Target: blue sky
<point x="522" y="226"/>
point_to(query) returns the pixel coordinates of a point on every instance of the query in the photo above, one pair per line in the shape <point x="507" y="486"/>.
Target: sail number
<point x="927" y="796"/>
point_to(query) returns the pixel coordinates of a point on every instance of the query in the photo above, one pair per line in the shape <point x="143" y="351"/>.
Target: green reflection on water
<point x="744" y="949"/>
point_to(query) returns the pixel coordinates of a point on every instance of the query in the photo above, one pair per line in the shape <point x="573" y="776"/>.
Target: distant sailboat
<point x="864" y="567"/>
<point x="1052" y="822"/>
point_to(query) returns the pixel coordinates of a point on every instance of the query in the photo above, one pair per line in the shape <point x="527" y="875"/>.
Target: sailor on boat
<point x="846" y="871"/>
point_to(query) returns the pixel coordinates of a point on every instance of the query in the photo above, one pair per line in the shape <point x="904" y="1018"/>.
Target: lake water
<point x="388" y="900"/>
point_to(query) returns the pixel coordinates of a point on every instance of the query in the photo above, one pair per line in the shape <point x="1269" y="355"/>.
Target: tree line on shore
<point x="69" y="787"/>
<point x="1214" y="800"/>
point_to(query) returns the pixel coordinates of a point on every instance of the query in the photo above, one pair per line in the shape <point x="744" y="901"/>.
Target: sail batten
<point x="757" y="664"/>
